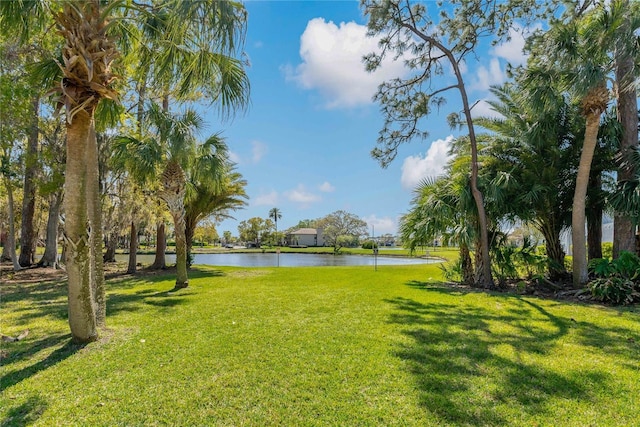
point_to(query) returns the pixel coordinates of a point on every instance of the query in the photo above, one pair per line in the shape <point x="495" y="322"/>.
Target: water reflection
<point x="286" y="260"/>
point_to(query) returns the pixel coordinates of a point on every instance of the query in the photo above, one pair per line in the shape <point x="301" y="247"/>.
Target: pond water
<point x="286" y="260"/>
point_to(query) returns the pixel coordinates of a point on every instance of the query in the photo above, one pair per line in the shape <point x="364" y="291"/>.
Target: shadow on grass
<point x="165" y="300"/>
<point x="470" y="362"/>
<point x="28" y="351"/>
<point x="25" y="414"/>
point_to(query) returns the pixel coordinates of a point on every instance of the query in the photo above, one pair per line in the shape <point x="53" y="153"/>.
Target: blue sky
<point x="304" y="144"/>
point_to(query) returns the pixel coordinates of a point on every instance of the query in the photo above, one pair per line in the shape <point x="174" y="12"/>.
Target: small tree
<point x="341" y="227"/>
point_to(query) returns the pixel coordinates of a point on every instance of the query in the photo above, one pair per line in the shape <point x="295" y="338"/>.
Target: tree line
<point x="98" y="123"/>
<point x="564" y="148"/>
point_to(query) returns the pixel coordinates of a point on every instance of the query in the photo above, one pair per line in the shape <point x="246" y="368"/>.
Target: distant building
<point x="306" y="237"/>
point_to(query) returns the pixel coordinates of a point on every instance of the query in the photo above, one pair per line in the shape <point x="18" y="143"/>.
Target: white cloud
<point x="512" y="50"/>
<point x="258" y="150"/>
<point x="302" y="196"/>
<point x="268" y="199"/>
<point x="383" y="225"/>
<point x="483" y="109"/>
<point x="332" y="63"/>
<point x="326" y="187"/>
<point x="416" y="168"/>
<point x="485" y="78"/>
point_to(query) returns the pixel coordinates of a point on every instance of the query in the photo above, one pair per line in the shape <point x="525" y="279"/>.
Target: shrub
<point x="513" y="262"/>
<point x="617" y="281"/>
<point x="607" y="250"/>
<point x="368" y="244"/>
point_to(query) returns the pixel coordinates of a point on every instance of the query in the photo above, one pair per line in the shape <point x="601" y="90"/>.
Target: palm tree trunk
<point x="173" y="192"/>
<point x="94" y="207"/>
<point x="555" y="253"/>
<point x="159" y="262"/>
<point x="11" y="238"/>
<point x="82" y="319"/>
<point x="189" y="230"/>
<point x="624" y="230"/>
<point x="466" y="264"/>
<point x="27" y="234"/>
<point x="50" y="256"/>
<point x="133" y="249"/>
<point x="578" y="240"/>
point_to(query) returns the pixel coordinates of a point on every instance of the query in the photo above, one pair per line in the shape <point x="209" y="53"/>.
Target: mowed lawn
<point x="344" y="346"/>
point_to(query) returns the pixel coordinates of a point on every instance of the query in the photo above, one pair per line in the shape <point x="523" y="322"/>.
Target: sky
<point x="304" y="144"/>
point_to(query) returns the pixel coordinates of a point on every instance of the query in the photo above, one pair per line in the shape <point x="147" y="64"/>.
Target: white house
<point x="306" y="237"/>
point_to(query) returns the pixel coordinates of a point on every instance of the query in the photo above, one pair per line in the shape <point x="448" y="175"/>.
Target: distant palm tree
<point x="275" y="215"/>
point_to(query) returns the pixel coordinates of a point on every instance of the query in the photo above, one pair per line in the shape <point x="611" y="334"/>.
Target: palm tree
<point x="578" y="55"/>
<point x="275" y="215"/>
<point x="208" y="198"/>
<point x="624" y="232"/>
<point x="87" y="56"/>
<point x="531" y="156"/>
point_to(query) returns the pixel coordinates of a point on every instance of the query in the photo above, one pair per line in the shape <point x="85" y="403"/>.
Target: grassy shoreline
<point x="318" y="346"/>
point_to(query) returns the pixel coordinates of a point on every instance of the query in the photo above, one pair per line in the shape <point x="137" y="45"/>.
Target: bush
<point x="368" y="244"/>
<point x="615" y="290"/>
<point x="511" y="262"/>
<point x="607" y="250"/>
<point x="617" y="281"/>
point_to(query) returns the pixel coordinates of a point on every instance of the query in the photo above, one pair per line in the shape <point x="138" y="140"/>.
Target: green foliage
<point x="617" y="281"/>
<point x="452" y="271"/>
<point x="512" y="262"/>
<point x="607" y="250"/>
<point x="369" y="244"/>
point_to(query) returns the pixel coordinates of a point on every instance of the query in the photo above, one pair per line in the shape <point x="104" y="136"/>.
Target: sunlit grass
<point x="319" y="346"/>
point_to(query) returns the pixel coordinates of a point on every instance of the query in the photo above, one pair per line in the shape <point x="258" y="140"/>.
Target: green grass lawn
<point x="315" y="347"/>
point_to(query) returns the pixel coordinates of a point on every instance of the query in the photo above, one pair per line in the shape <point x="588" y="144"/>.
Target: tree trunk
<point x="484" y="277"/>
<point x="82" y="319"/>
<point x="173" y="192"/>
<point x="11" y="238"/>
<point x="133" y="249"/>
<point x="94" y="207"/>
<point x="110" y="253"/>
<point x="190" y="228"/>
<point x="50" y="256"/>
<point x="555" y="253"/>
<point x="624" y="230"/>
<point x="27" y="233"/>
<point x="578" y="241"/>
<point x="479" y="266"/>
<point x="159" y="262"/>
<point x="466" y="265"/>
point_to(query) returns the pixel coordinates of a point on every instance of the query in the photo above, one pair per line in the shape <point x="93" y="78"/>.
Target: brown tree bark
<point x="94" y="208"/>
<point x="82" y="319"/>
<point x="133" y="249"/>
<point x="578" y="223"/>
<point x="624" y="230"/>
<point x="160" y="262"/>
<point x="50" y="256"/>
<point x="27" y="229"/>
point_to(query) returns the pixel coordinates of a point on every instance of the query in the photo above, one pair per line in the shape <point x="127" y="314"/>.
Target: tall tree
<point x="578" y="53"/>
<point x="533" y="154"/>
<point x="624" y="229"/>
<point x="275" y="215"/>
<point x="87" y="58"/>
<point x="215" y="189"/>
<point x="409" y="31"/>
